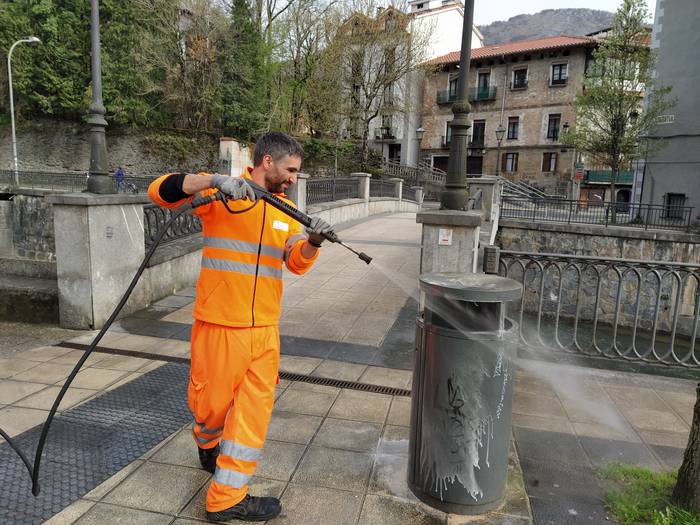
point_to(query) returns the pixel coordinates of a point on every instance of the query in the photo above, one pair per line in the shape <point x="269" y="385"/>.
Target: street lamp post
<point x="500" y="132"/>
<point x="455" y="195"/>
<point x="28" y="40"/>
<point x="99" y="180"/>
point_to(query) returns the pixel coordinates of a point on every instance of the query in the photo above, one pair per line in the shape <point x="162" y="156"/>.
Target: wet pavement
<point x="327" y="447"/>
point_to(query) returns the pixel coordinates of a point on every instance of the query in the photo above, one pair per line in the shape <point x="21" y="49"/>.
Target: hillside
<point x="549" y="22"/>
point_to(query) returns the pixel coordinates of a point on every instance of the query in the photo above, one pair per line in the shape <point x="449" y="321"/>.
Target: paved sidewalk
<point x="332" y="448"/>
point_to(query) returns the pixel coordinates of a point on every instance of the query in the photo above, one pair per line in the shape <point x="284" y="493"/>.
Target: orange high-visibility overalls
<point x="235" y="339"/>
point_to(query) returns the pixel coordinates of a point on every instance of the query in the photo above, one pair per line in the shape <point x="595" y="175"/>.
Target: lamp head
<point x="419" y="133"/>
<point x="500" y="131"/>
<point x="32" y="40"/>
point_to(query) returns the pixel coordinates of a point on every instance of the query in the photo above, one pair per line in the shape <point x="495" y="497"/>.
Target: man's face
<point x="282" y="173"/>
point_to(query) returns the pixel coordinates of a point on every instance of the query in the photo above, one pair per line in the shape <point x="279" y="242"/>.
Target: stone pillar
<point x="6" y="228"/>
<point x="398" y="188"/>
<point x="364" y="185"/>
<point x="99" y="247"/>
<point x="450" y="240"/>
<point x="297" y="192"/>
<point x="419" y="194"/>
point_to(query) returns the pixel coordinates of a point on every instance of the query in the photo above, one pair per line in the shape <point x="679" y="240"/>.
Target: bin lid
<point x="474" y="287"/>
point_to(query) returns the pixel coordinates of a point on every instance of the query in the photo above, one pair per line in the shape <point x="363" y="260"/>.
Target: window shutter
<point x="556" y="161"/>
<point x="515" y="162"/>
<point x="504" y="156"/>
<point x="545" y="161"/>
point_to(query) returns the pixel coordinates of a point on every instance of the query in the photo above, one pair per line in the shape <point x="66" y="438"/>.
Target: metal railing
<point x="414" y="175"/>
<point x="475" y="94"/>
<point x="646" y="216"/>
<point x="408" y="193"/>
<point x="155" y="218"/>
<point x="332" y="189"/>
<point x="382" y="188"/>
<point x="65" y="181"/>
<point x="43" y="180"/>
<point x="612" y="308"/>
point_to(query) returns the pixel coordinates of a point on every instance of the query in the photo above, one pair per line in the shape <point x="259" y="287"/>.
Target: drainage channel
<point x="288" y="376"/>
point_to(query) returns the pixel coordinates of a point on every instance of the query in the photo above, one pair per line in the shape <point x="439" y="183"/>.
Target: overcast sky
<point x="487" y="11"/>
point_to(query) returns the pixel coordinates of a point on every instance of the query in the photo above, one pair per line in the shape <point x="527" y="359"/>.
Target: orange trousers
<point x="231" y="393"/>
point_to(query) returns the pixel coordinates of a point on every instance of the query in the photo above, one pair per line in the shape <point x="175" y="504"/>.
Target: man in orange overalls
<point x="235" y="339"/>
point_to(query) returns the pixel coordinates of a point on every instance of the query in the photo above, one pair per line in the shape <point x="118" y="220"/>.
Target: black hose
<point x="34" y="471"/>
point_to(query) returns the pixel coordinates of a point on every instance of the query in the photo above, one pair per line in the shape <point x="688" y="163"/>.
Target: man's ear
<point x="267" y="161"/>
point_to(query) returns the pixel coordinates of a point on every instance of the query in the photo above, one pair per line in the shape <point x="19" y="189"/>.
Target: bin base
<point x="456" y="508"/>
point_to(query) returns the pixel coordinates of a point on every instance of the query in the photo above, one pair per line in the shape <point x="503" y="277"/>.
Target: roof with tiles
<point x="523" y="46"/>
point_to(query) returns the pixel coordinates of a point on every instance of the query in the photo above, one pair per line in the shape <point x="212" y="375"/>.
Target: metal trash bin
<point x="462" y="392"/>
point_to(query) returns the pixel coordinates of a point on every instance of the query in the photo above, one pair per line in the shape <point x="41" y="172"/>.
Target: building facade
<point x="439" y="26"/>
<point x="671" y="173"/>
<point x="528" y="88"/>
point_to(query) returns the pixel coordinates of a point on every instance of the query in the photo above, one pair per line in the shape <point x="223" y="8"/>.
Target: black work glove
<point x="235" y="187"/>
<point x="316" y="229"/>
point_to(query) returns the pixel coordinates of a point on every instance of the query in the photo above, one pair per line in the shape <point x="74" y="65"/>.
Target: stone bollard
<point x="419" y="194"/>
<point x="364" y="185"/>
<point x="398" y="188"/>
<point x="99" y="247"/>
<point x="297" y="192"/>
<point x="450" y="240"/>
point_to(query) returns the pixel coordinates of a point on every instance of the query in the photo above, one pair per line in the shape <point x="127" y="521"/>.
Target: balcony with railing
<point x="384" y="133"/>
<point x="476" y="94"/>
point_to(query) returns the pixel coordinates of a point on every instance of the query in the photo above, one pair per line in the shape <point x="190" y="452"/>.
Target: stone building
<point x="526" y="86"/>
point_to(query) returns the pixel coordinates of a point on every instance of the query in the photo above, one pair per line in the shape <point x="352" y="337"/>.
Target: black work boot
<point x="207" y="457"/>
<point x="251" y="508"/>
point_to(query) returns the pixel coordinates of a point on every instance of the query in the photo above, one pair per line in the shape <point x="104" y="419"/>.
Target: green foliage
<point x="610" y="117"/>
<point x="639" y="496"/>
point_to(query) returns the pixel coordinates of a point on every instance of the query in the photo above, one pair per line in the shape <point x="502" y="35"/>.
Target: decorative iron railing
<point x="382" y="188"/>
<point x="331" y="189"/>
<point x="646" y="216"/>
<point x="612" y="308"/>
<point x="155" y="218"/>
<point x="65" y="181"/>
<point x="408" y="193"/>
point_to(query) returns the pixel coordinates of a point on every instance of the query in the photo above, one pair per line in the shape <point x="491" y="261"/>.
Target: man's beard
<point x="276" y="188"/>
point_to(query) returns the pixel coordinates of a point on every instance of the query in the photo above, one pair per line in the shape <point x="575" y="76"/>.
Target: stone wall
<point x="32" y="232"/>
<point x="598" y="241"/>
<point x="51" y="145"/>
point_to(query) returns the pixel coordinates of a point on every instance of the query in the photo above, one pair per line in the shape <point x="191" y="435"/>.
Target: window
<point x="560" y="74"/>
<point x="553" y="127"/>
<point x="453" y="87"/>
<point x="484" y="80"/>
<point x="513" y="124"/>
<point x="519" y="79"/>
<point x="448" y="135"/>
<point x="419" y="6"/>
<point x="549" y="162"/>
<point x="674" y="205"/>
<point x="478" y="132"/>
<point x="386" y="121"/>
<point x="509" y="162"/>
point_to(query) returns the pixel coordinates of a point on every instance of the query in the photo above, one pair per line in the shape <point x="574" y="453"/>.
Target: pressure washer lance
<point x="300" y="216"/>
<point x="195" y="203"/>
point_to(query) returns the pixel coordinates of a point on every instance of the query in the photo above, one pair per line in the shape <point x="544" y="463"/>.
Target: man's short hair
<point x="278" y="145"/>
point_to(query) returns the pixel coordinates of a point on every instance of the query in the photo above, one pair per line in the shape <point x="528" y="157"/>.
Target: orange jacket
<point x="240" y="282"/>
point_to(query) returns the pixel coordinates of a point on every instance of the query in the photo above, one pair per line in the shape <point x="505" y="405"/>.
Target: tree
<point x="373" y="58"/>
<point x="686" y="493"/>
<point x="611" y="111"/>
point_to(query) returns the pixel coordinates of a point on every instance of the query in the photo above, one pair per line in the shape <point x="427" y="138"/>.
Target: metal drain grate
<point x="350" y="385"/>
<point x="288" y="376"/>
